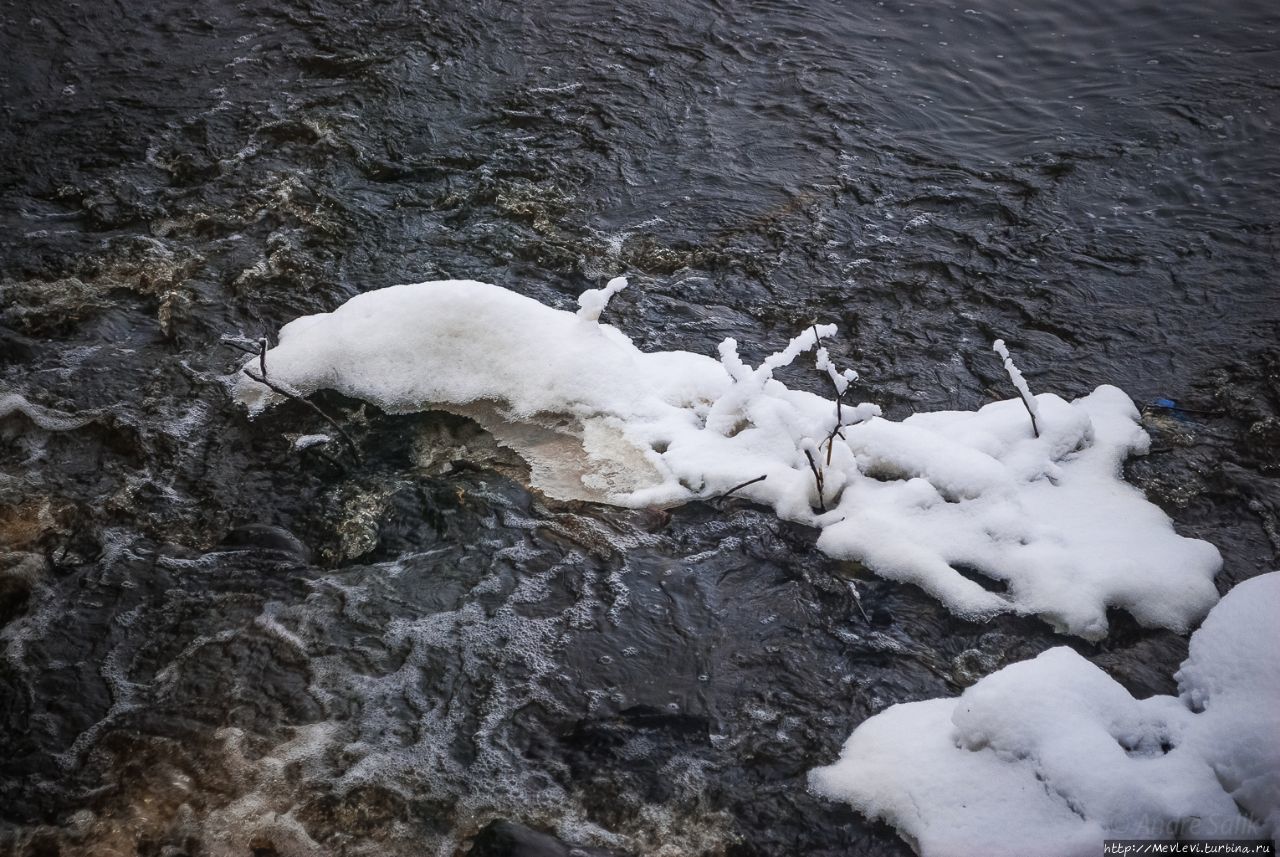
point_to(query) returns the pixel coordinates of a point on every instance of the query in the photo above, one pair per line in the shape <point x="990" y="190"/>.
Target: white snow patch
<point x="1050" y="756"/>
<point x="306" y="441"/>
<point x="593" y="301"/>
<point x="1048" y="520"/>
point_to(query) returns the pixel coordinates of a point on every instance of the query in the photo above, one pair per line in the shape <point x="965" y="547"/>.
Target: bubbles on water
<point x="434" y="702"/>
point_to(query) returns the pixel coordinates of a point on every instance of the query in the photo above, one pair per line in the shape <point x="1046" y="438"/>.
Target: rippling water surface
<point x="216" y="645"/>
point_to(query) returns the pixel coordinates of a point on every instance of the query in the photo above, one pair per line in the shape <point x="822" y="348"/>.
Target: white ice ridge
<point x="1048" y="520"/>
<point x="1051" y="756"/>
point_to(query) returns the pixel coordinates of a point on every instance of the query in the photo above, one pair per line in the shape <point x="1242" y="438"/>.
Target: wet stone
<point x="19" y="574"/>
<point x="507" y="839"/>
<point x="265" y="537"/>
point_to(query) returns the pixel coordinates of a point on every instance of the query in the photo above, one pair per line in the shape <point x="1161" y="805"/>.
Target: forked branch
<point x="290" y="394"/>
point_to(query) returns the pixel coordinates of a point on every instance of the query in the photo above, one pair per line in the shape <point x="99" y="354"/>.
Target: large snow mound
<point x="1046" y="520"/>
<point x="1051" y="756"/>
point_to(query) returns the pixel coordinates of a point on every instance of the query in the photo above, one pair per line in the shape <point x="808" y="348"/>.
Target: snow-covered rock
<point x="1051" y="756"/>
<point x="1047" y="519"/>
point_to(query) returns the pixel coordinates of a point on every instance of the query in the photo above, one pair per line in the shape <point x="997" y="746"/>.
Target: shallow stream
<point x="217" y="644"/>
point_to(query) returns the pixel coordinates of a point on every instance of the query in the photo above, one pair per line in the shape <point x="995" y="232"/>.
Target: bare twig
<point x="857" y="599"/>
<point x="835" y="433"/>
<point x="743" y="485"/>
<point x="840" y="394"/>
<point x="289" y="394"/>
<point x="262" y="355"/>
<point x="1020" y="383"/>
<point x="1185" y="410"/>
<point x="817" y="480"/>
<point x="1035" y="427"/>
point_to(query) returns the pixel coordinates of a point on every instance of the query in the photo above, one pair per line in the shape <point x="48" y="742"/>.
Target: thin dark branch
<point x="743" y="485"/>
<point x="262" y="355"/>
<point x="840" y="394"/>
<point x="831" y="438"/>
<point x="839" y="421"/>
<point x="1023" y="391"/>
<point x="857" y="599"/>
<point x="1185" y="410"/>
<point x="289" y="394"/>
<point x="817" y="480"/>
<point x="1035" y="429"/>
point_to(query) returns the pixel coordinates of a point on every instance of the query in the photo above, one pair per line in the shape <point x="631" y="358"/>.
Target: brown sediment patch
<point x="28" y="524"/>
<point x="145" y="266"/>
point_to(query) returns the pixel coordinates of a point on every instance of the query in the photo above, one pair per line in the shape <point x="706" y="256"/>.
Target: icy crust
<point x="1051" y="756"/>
<point x="1047" y="520"/>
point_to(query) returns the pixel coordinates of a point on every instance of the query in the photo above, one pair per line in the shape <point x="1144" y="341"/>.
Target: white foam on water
<point x="44" y="418"/>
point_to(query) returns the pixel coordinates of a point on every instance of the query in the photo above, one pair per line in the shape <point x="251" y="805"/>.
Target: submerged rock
<point x="508" y="839"/>
<point x="265" y="537"/>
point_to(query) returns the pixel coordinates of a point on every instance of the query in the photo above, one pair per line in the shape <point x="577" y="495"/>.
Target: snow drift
<point x="1051" y="756"/>
<point x="1046" y="520"/>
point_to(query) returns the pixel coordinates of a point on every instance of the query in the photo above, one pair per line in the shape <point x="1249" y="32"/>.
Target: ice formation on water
<point x="1050" y="756"/>
<point x="1047" y="518"/>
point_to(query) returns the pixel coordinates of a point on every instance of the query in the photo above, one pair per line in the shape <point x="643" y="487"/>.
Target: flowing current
<point x="219" y="640"/>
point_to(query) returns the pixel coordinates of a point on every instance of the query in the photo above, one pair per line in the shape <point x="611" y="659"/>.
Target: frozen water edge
<point x="1051" y="756"/>
<point x="1047" y="519"/>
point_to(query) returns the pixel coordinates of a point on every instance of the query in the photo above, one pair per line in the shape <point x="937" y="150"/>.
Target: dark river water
<point x="216" y="645"/>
